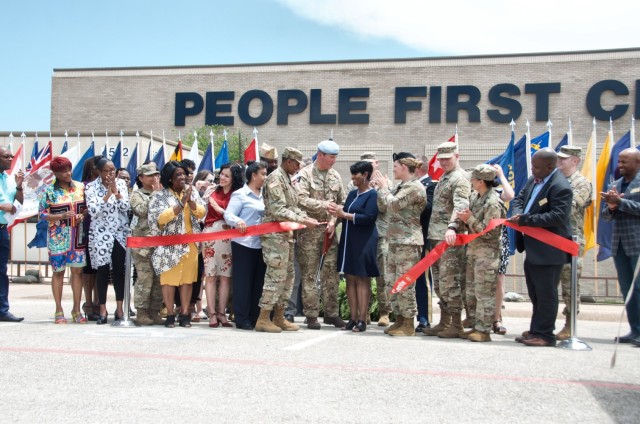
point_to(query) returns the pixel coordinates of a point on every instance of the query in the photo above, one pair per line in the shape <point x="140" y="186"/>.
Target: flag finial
<point x="66" y="134"/>
<point x="549" y="125"/>
<point x="512" y="125"/>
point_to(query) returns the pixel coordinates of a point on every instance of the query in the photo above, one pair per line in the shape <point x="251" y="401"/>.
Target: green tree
<point x="234" y="139"/>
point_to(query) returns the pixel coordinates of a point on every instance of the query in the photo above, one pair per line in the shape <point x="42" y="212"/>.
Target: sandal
<point x="184" y="320"/>
<point x="78" y="318"/>
<point x="499" y="329"/>
<point x="360" y="327"/>
<point x="59" y="318"/>
<point x="222" y="319"/>
<point x="215" y="323"/>
<point x="170" y="321"/>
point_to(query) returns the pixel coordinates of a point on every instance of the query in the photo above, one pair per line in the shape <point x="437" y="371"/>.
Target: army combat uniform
<point x="404" y="204"/>
<point x="483" y="258"/>
<point x="315" y="190"/>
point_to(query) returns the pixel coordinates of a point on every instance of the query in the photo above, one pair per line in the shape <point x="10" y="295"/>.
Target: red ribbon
<point x="253" y="230"/>
<point x="537" y="233"/>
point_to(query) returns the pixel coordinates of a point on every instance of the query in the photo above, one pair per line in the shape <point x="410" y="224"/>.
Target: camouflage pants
<point x="449" y="278"/>
<point x="384" y="306"/>
<point x="277" y="252"/>
<point x="565" y="283"/>
<point x="401" y="258"/>
<point x="308" y="251"/>
<point x="481" y="279"/>
<point x="148" y="293"/>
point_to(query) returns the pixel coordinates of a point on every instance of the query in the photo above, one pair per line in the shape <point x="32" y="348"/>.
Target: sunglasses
<point x="402" y="155"/>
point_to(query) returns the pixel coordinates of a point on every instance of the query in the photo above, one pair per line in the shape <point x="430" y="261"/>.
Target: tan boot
<point x="383" y="321"/>
<point x="404" y="330"/>
<point x="445" y="322"/>
<point x="454" y="329"/>
<point x="143" y="317"/>
<point x="465" y="334"/>
<point x="280" y="320"/>
<point x="397" y="324"/>
<point x="155" y="317"/>
<point x="478" y="336"/>
<point x="264" y="322"/>
<point x="565" y="333"/>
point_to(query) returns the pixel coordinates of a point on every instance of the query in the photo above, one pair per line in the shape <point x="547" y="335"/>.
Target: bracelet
<point x="19" y="188"/>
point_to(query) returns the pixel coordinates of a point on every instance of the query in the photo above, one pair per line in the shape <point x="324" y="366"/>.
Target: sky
<point x="42" y="35"/>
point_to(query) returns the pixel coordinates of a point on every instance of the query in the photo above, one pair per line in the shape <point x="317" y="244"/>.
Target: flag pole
<point x="528" y="149"/>
<point x="78" y="145"/>
<point x="570" y="135"/>
<point x="121" y="145"/>
<point x="593" y="195"/>
<point x="164" y="147"/>
<point x="633" y="132"/>
<point x="138" y="149"/>
<point x="255" y="136"/>
<point x="213" y="153"/>
<point x="549" y="125"/>
<point x="11" y="142"/>
<point x="106" y="145"/>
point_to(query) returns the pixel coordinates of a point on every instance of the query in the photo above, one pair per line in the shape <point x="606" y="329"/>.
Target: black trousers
<point x="542" y="285"/>
<point x="102" y="279"/>
<point x="248" y="269"/>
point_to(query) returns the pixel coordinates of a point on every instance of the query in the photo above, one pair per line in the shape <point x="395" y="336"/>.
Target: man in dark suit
<point x="545" y="201"/>
<point x="422" y="288"/>
<point x="623" y="207"/>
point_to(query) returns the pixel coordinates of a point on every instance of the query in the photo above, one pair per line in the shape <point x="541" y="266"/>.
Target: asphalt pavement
<point x="103" y="374"/>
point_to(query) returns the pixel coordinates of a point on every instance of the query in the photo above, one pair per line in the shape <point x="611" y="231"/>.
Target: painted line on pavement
<point x="329" y="367"/>
<point x="315" y="340"/>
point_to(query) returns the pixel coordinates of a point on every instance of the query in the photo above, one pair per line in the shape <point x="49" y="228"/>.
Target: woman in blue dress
<point x="358" y="243"/>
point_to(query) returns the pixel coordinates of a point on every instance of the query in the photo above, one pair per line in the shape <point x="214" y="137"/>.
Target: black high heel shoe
<point x="360" y="327"/>
<point x="184" y="320"/>
<point x="102" y="319"/>
<point x="170" y="321"/>
<point x="350" y="324"/>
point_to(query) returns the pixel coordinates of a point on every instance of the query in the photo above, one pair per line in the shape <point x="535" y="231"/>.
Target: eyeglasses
<point x="7" y="156"/>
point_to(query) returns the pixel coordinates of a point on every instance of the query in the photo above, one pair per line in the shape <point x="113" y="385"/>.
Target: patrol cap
<point x="402" y="155"/>
<point x="484" y="172"/>
<point x="368" y="156"/>
<point x="148" y="169"/>
<point x="268" y="152"/>
<point x="446" y="150"/>
<point x="291" y="153"/>
<point x="329" y="147"/>
<point x="568" y="151"/>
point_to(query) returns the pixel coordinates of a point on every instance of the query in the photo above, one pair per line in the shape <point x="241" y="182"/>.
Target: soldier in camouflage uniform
<point x="148" y="293"/>
<point x="483" y="253"/>
<point x="568" y="161"/>
<point x="404" y="203"/>
<point x="318" y="186"/>
<point x="281" y="204"/>
<point x="451" y="196"/>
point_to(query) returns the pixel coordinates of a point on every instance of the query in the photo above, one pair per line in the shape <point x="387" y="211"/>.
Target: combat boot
<point x="143" y="317"/>
<point x="445" y="322"/>
<point x="282" y="322"/>
<point x="465" y="334"/>
<point x="264" y="323"/>
<point x="454" y="329"/>
<point x="335" y="321"/>
<point x="477" y="336"/>
<point x="565" y="333"/>
<point x="397" y="324"/>
<point x="383" y="321"/>
<point x="313" y="324"/>
<point x="154" y="314"/>
<point x="404" y="330"/>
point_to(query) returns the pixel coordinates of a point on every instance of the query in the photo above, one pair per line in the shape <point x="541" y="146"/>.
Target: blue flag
<point x="158" y="159"/>
<point x="539" y="142"/>
<point x="605" y="228"/>
<point x="104" y="152"/>
<point x="563" y="142"/>
<point x="77" y="171"/>
<point x="148" y="158"/>
<point x="223" y="155"/>
<point x="116" y="158"/>
<point x="132" y="167"/>
<point x="34" y="155"/>
<point x="64" y="147"/>
<point x="206" y="163"/>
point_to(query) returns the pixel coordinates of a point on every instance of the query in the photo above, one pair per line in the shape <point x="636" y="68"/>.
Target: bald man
<point x="622" y="206"/>
<point x="545" y="201"/>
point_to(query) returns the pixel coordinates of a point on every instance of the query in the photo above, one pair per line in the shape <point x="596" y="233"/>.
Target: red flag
<point x="435" y="171"/>
<point x="250" y="152"/>
<point x="16" y="162"/>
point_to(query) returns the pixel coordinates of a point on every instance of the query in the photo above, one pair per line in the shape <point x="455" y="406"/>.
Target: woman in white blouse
<point x="108" y="201"/>
<point x="246" y="208"/>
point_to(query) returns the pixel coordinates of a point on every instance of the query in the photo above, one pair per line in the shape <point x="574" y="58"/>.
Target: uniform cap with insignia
<point x="568" y="151"/>
<point x="446" y="150"/>
<point x="368" y="156"/>
<point x="291" y="153"/>
<point x="484" y="172"/>
<point x="148" y="169"/>
<point x="268" y="152"/>
<point x="329" y="147"/>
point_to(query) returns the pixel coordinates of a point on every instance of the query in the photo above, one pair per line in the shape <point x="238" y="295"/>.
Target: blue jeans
<point x="4" y="278"/>
<point x="626" y="265"/>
